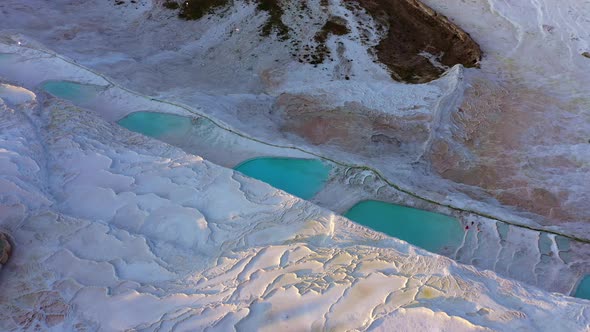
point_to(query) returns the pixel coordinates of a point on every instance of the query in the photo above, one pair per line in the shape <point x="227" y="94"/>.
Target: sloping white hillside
<point x="113" y="231"/>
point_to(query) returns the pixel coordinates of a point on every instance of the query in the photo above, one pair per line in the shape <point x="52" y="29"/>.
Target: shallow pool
<point x="72" y="91"/>
<point x="157" y="125"/>
<point x="300" y="177"/>
<point x="583" y="290"/>
<point x="431" y="231"/>
<point x="6" y="56"/>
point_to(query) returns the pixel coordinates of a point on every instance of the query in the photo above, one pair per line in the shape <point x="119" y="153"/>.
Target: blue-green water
<point x="431" y="231"/>
<point x="157" y="125"/>
<point x="72" y="91"/>
<point x="6" y="56"/>
<point x="583" y="290"/>
<point x="300" y="177"/>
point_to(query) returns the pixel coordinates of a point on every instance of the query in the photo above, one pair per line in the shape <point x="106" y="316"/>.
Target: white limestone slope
<point x="544" y="260"/>
<point x="221" y="66"/>
<point x="527" y="110"/>
<point x="116" y="231"/>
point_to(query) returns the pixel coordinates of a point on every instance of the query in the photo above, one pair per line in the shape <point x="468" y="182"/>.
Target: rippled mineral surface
<point x="187" y="166"/>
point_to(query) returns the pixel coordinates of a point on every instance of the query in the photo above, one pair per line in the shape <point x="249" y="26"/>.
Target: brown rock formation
<point x="352" y="127"/>
<point x="415" y="29"/>
<point x="40" y="308"/>
<point x="500" y="141"/>
<point x="418" y="47"/>
<point x="5" y="249"/>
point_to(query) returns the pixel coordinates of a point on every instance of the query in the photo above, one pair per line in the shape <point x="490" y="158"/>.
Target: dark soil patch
<point x="415" y="28"/>
<point x="171" y="4"/>
<point x="195" y="9"/>
<point x="274" y="23"/>
<point x="334" y="26"/>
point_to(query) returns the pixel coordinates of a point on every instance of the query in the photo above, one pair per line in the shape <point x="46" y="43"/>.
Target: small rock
<point x="5" y="248"/>
<point x="483" y="311"/>
<point x="548" y="28"/>
<point x="586" y="54"/>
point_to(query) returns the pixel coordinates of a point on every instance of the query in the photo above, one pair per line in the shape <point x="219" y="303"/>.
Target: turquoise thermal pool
<point x="72" y="91"/>
<point x="583" y="290"/>
<point x="300" y="177"/>
<point x="157" y="125"/>
<point x="431" y="231"/>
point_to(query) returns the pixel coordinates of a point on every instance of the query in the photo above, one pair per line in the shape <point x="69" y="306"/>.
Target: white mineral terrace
<point x="112" y="230"/>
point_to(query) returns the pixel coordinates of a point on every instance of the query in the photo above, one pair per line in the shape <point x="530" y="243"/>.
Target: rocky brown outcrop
<point x="415" y="30"/>
<point x="195" y="9"/>
<point x="5" y="249"/>
<point x="504" y="142"/>
<point x="351" y="127"/>
<point x="419" y="45"/>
